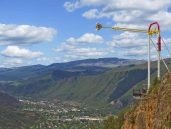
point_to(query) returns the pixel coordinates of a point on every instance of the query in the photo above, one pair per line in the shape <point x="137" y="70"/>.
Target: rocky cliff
<point x="154" y="111"/>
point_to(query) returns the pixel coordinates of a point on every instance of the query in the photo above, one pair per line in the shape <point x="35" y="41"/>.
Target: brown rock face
<point x="154" y="111"/>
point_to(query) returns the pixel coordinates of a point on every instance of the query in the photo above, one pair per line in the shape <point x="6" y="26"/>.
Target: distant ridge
<point x="18" y="73"/>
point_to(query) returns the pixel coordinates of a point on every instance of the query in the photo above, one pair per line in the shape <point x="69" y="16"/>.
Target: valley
<point x="85" y="64"/>
<point x="62" y="115"/>
<point x="73" y="95"/>
<point x="88" y="81"/>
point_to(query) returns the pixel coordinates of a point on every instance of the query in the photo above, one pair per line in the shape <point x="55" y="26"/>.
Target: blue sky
<point x="48" y="31"/>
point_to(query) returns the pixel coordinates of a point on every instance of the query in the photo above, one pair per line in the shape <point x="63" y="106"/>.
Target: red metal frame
<point x="159" y="38"/>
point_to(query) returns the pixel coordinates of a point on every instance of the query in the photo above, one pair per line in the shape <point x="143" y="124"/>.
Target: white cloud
<point x="164" y="18"/>
<point x="7" y="63"/>
<point x="15" y="51"/>
<point x="140" y="52"/>
<point x="91" y="14"/>
<point x="89" y="52"/>
<point x="15" y="61"/>
<point x="73" y="45"/>
<point x="133" y="45"/>
<point x="126" y="44"/>
<point x="151" y="5"/>
<point x="25" y="34"/>
<point x="81" y="47"/>
<point x="64" y="47"/>
<point x="85" y="53"/>
<point x="133" y="26"/>
<point x="127" y="12"/>
<point x="80" y="52"/>
<point x="48" y="60"/>
<point x="136" y="52"/>
<point x="86" y="38"/>
<point x="127" y="40"/>
<point x="71" y="6"/>
<point x="117" y="16"/>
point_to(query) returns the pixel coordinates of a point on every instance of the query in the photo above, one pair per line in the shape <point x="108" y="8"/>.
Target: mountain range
<point x="94" y="82"/>
<point x="92" y="65"/>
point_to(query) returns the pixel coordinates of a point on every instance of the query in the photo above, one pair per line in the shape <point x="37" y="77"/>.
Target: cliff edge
<point x="154" y="111"/>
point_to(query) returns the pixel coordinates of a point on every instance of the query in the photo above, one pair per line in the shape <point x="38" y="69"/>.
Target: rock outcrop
<point x="154" y="111"/>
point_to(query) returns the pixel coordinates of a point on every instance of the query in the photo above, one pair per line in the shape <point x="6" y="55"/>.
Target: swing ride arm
<point x="150" y="32"/>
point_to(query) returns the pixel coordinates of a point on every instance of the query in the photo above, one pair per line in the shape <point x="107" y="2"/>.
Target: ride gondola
<point x="139" y="94"/>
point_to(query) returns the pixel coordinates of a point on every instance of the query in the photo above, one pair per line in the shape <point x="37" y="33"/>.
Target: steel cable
<point x="160" y="57"/>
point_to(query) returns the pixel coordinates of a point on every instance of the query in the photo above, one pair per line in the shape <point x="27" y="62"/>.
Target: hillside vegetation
<point x="152" y="112"/>
<point x="11" y="116"/>
<point x="97" y="87"/>
<point x="94" y="86"/>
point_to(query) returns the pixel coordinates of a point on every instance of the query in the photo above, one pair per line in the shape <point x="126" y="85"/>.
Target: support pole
<point x="149" y="38"/>
<point x="158" y="75"/>
<point x="159" y="57"/>
<point x="150" y="33"/>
